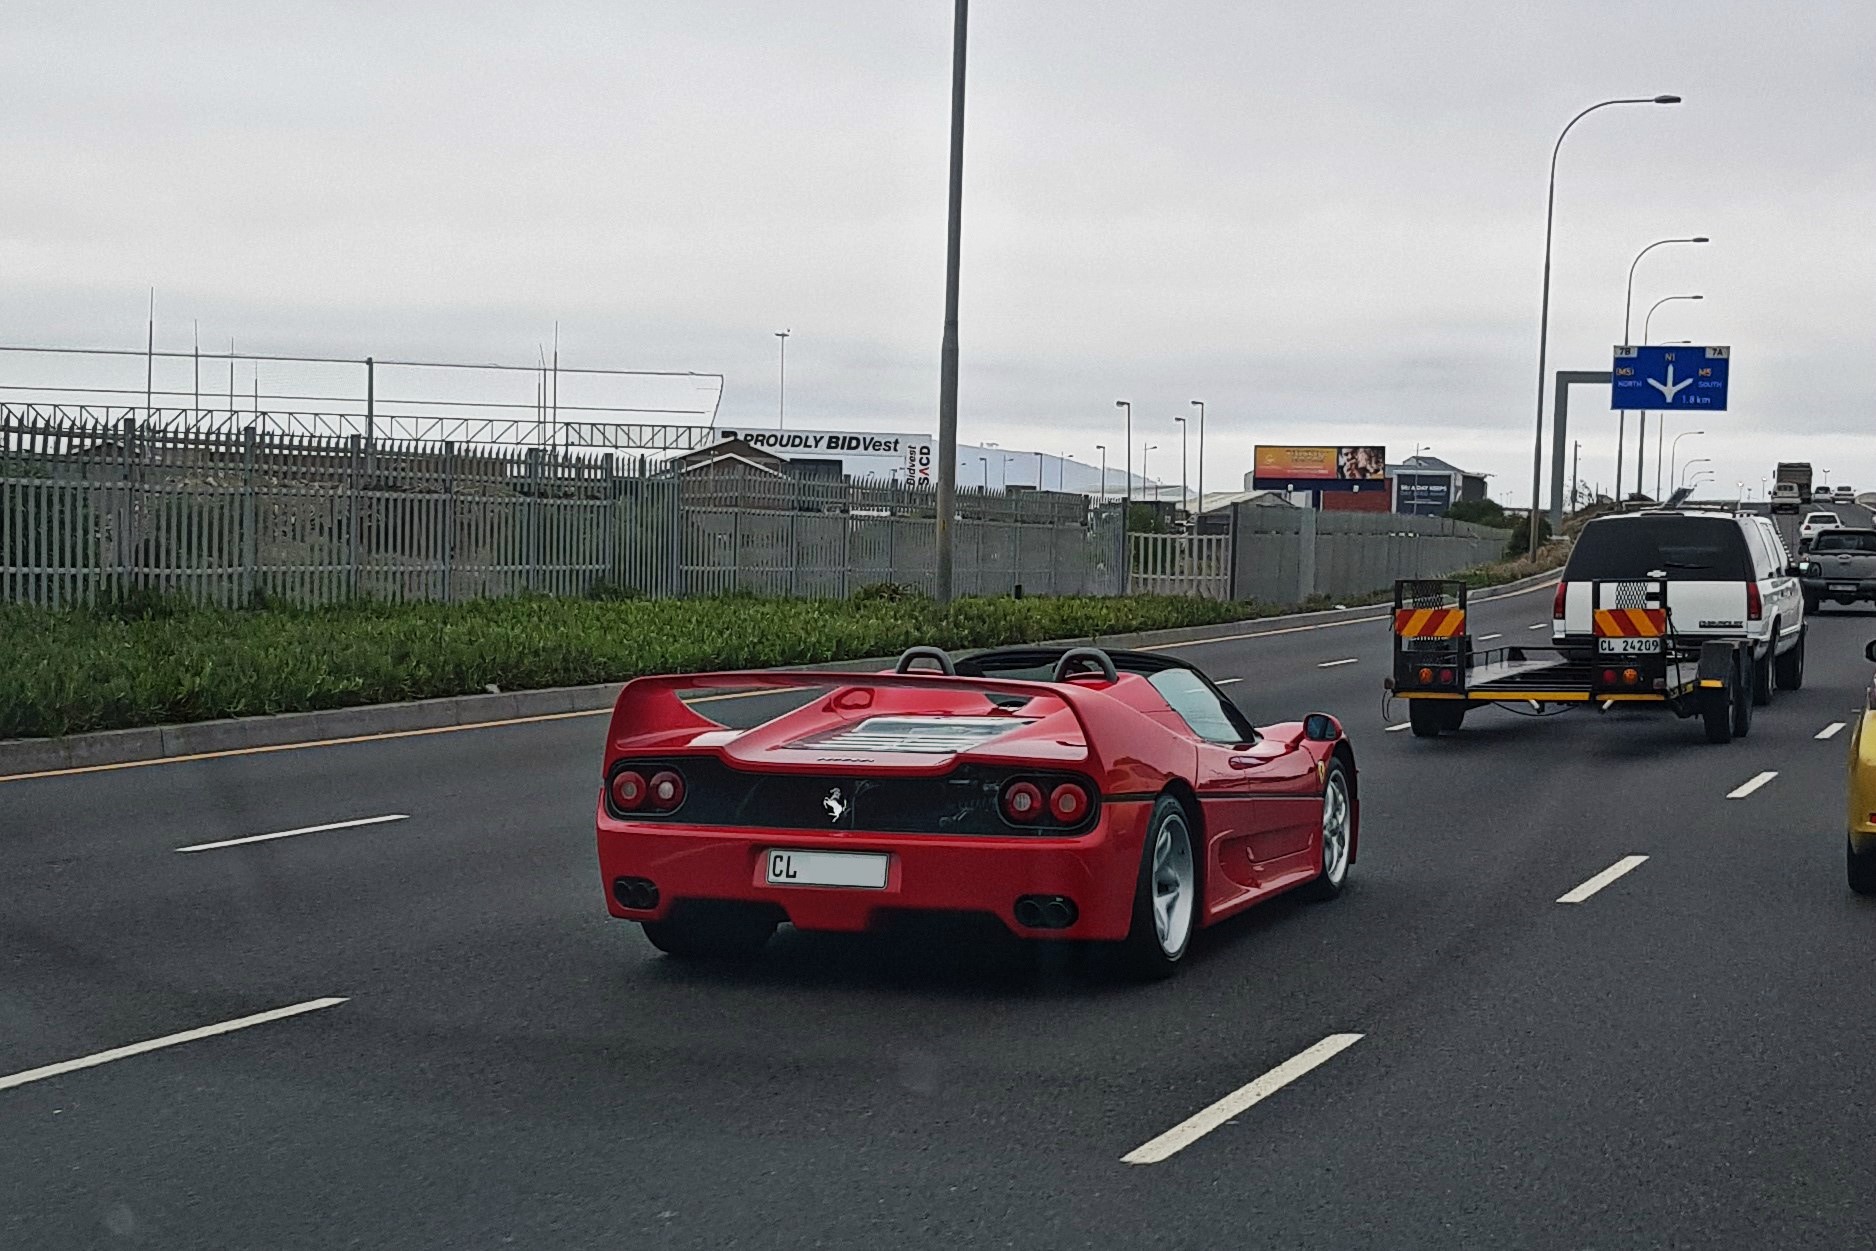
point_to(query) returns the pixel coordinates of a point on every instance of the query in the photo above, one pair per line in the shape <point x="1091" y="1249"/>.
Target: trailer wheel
<point x="1762" y="674"/>
<point x="1716" y="709"/>
<point x="1789" y="668"/>
<point x="1745" y="694"/>
<point x="1425" y="718"/>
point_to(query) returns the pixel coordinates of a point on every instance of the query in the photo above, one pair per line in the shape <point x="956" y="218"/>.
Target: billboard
<point x="1423" y="494"/>
<point x="1320" y="468"/>
<point x="861" y="453"/>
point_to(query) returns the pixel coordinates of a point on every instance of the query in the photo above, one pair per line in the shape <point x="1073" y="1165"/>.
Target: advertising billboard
<point x="877" y="454"/>
<point x="1423" y="494"/>
<point x="1318" y="468"/>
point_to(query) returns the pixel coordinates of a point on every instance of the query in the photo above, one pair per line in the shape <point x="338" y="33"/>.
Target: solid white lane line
<point x="168" y="1040"/>
<point x="1602" y="879"/>
<point x="1542" y="625"/>
<point x="1401" y="726"/>
<point x="1747" y="789"/>
<point x="1228" y="681"/>
<point x="305" y="829"/>
<point x="1486" y="638"/>
<point x="1330" y="664"/>
<point x="1829" y="731"/>
<point x="1195" y="1127"/>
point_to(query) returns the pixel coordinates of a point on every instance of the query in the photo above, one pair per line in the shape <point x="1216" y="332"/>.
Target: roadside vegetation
<point x="153" y="661"/>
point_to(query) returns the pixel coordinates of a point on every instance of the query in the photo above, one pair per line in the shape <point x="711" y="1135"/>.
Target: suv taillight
<point x="1556" y="605"/>
<point x="1755" y="607"/>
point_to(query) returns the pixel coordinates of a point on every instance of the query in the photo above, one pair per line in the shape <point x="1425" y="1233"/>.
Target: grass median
<point x="159" y="662"/>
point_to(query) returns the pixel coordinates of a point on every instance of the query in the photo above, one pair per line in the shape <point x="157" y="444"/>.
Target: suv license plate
<point x="1628" y="647"/>
<point x="1840" y="586"/>
<point x="865" y="870"/>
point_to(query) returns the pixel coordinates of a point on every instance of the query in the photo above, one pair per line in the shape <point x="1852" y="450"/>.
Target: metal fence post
<point x="250" y="540"/>
<point x="127" y="536"/>
<point x="736" y="547"/>
<point x="449" y="518"/>
<point x="352" y="442"/>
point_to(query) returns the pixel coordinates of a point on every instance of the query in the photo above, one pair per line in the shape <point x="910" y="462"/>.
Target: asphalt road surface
<point x="1684" y="1058"/>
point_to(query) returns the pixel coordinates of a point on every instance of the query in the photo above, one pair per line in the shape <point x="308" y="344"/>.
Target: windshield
<point x="1846" y="541"/>
<point x="1683" y="548"/>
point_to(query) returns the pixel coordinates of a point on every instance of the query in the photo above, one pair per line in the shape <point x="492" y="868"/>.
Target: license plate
<point x="1628" y="647"/>
<point x="866" y="870"/>
<point x="1841" y="586"/>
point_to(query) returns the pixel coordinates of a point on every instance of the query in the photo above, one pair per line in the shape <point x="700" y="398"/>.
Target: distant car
<point x="1815" y="524"/>
<point x="1069" y="793"/>
<point x="1840" y="567"/>
<point x="1860" y="848"/>
<point x="1821" y="495"/>
<point x="1844" y="495"/>
<point x="1786" y="497"/>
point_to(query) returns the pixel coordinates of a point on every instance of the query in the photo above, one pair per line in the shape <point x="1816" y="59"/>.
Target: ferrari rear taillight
<point x="1556" y="604"/>
<point x="1022" y="802"/>
<point x="1755" y="607"/>
<point x="628" y="790"/>
<point x="666" y="790"/>
<point x="1068" y="803"/>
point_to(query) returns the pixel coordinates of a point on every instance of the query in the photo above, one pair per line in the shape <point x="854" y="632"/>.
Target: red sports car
<point x="1073" y="793"/>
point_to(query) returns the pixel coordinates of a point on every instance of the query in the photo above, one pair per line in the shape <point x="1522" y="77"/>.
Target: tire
<point x="1717" y="713"/>
<point x="1745" y="697"/>
<point x="1165" y="896"/>
<point x="710" y="930"/>
<point x="1338" y="846"/>
<point x="1789" y="668"/>
<point x="1762" y="672"/>
<point x="1859" y="868"/>
<point x="1430" y="718"/>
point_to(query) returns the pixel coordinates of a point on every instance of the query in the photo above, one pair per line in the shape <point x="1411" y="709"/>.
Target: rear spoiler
<point x="649" y="707"/>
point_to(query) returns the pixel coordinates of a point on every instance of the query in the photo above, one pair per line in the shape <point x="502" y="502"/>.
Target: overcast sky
<point x="1325" y="219"/>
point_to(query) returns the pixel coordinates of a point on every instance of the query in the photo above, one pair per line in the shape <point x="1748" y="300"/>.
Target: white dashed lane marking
<point x="1829" y="731"/>
<point x="1239" y="1101"/>
<point x="1608" y="875"/>
<point x="1399" y="726"/>
<point x="167" y="1040"/>
<point x="1741" y="791"/>
<point x="305" y="829"/>
<point x="1542" y="625"/>
<point x="1486" y="638"/>
<point x="1331" y="664"/>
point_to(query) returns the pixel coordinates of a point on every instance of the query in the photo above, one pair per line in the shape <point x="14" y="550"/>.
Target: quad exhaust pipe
<point x="1046" y="912"/>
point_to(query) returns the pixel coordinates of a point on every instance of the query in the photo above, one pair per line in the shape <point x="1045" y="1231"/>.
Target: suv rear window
<point x="1845" y="541"/>
<point x="1685" y="549"/>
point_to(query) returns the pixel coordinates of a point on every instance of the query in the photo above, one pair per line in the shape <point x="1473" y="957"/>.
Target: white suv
<point x="1728" y="576"/>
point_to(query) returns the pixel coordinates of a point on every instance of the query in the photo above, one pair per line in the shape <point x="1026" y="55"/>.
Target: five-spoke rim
<point x="1335" y="823"/>
<point x="1173" y="882"/>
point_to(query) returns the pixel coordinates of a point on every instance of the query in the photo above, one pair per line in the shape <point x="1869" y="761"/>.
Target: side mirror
<point x="1870" y="651"/>
<point x="1320" y="728"/>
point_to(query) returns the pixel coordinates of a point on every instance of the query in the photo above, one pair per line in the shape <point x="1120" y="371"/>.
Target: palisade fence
<point x="1180" y="564"/>
<point x="98" y="502"/>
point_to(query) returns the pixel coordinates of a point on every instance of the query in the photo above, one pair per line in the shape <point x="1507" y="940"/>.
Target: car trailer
<point x="1637" y="660"/>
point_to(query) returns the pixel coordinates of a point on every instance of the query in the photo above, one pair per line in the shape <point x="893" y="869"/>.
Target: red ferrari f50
<point x="1073" y="793"/>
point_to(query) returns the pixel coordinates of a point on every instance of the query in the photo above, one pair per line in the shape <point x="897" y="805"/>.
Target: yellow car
<point x="1860" y="851"/>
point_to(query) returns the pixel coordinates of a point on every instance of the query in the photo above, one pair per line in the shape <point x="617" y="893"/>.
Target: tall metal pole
<point x="149" y="358"/>
<point x="1038" y="471"/>
<point x="948" y="354"/>
<point x="1102" y="449"/>
<point x="1628" y="307"/>
<point x="1674" y="454"/>
<point x="1641" y="435"/>
<point x="1543" y="325"/>
<point x="781" y="390"/>
<point x="1200" y="405"/>
<point x="1576" y="458"/>
<point x="1126" y="482"/>
<point x="1185" y="490"/>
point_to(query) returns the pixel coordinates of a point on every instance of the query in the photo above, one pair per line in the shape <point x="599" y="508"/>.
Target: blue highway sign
<point x="1669" y="377"/>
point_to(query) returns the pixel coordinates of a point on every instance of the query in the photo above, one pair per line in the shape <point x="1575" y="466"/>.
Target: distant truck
<point x="1792" y="485"/>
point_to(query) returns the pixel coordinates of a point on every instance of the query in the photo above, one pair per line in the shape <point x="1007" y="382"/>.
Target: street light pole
<point x="1102" y="449"/>
<point x="1674" y="453"/>
<point x="1628" y="305"/>
<point x="948" y="351"/>
<point x="1200" y="405"/>
<point x="1144" y="449"/>
<point x="1126" y="483"/>
<point x="1698" y="460"/>
<point x="1576" y="458"/>
<point x="1184" y="486"/>
<point x="1641" y="433"/>
<point x="1543" y="324"/>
